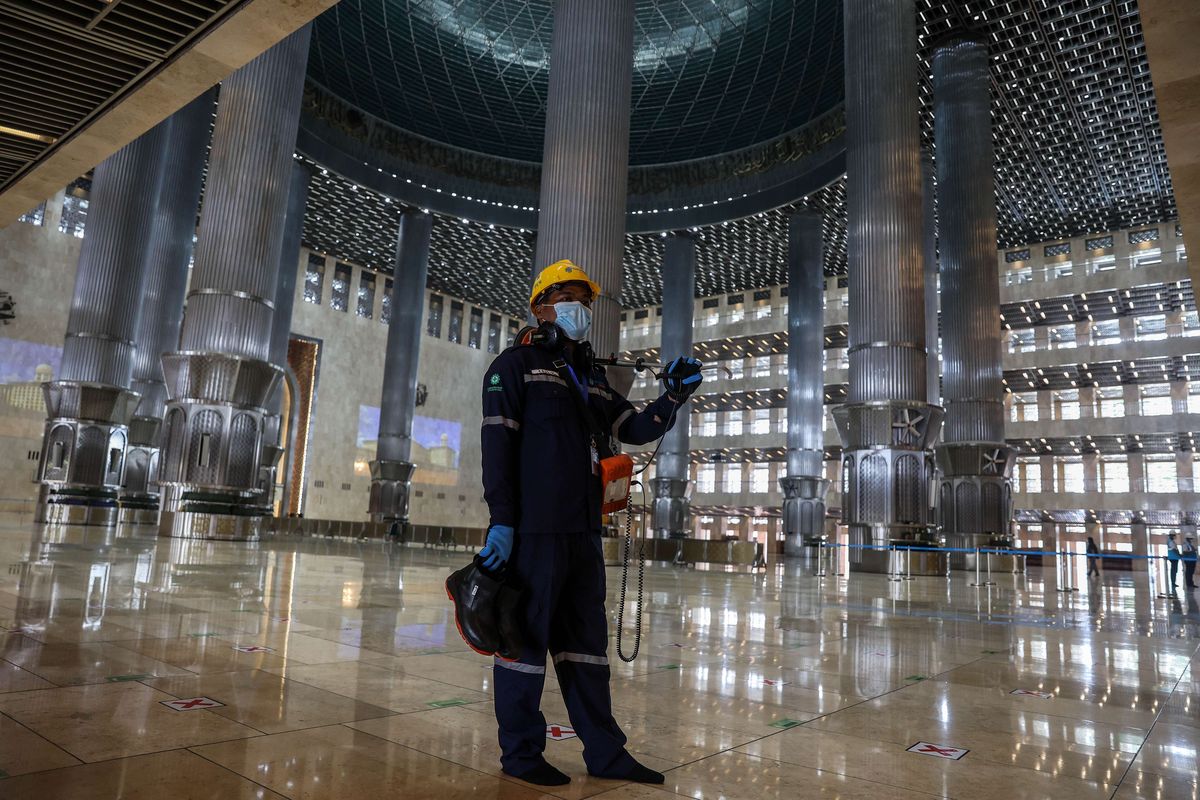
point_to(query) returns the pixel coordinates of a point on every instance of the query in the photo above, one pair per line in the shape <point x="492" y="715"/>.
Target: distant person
<point x="1188" y="554"/>
<point x="1093" y="558"/>
<point x="1173" y="558"/>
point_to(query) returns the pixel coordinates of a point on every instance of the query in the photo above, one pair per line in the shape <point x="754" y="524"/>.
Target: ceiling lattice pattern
<point x="491" y="265"/>
<point x="709" y="75"/>
<point x="1078" y="145"/>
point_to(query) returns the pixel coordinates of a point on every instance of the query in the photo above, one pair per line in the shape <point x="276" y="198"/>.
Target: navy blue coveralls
<point x="538" y="479"/>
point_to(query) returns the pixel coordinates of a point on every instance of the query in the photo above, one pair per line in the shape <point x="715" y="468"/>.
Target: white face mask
<point x="574" y="318"/>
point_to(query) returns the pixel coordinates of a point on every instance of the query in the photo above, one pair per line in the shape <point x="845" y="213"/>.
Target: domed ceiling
<point x="709" y="76"/>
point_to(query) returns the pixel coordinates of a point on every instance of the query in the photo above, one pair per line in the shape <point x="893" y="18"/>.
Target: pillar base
<point x="203" y="525"/>
<point x="140" y="477"/>
<point x="64" y="505"/>
<point x="138" y="514"/>
<point x="970" y="541"/>
<point x="975" y="497"/>
<point x="197" y="513"/>
<point x="671" y="515"/>
<point x="803" y="512"/>
<point x="899" y="561"/>
<point x="887" y="470"/>
<point x="212" y="431"/>
<point x="85" y="441"/>
<point x="268" y="468"/>
<point x="391" y="491"/>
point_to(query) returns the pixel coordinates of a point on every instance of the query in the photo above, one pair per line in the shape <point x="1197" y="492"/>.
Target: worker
<point x="542" y="461"/>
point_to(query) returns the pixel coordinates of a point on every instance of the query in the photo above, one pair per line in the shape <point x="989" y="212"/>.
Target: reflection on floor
<point x="140" y="667"/>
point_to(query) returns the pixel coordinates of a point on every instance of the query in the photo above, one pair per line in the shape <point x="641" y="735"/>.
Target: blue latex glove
<point x="498" y="548"/>
<point x="682" y="377"/>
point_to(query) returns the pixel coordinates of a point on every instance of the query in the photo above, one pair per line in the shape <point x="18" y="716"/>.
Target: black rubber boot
<point x="511" y="610"/>
<point x="474" y="594"/>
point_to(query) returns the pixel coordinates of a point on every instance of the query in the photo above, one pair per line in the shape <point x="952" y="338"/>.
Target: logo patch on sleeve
<point x="494" y="382"/>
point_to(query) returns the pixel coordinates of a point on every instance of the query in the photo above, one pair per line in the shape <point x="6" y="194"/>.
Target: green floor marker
<point x="3" y="774"/>
<point x="915" y="678"/>
<point x="786" y="723"/>
<point x="201" y="635"/>
<point x="994" y="652"/>
<point x="670" y="666"/>
<point x="123" y="678"/>
<point x="455" y="701"/>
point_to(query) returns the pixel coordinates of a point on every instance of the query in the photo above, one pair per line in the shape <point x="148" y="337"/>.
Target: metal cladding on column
<point x="585" y="160"/>
<point x="672" y="516"/>
<point x="281" y="331"/>
<point x="886" y="426"/>
<point x="975" y="495"/>
<point x="392" y="469"/>
<point x="289" y="269"/>
<point x="90" y="405"/>
<point x="804" y="487"/>
<point x="933" y="383"/>
<point x="168" y="252"/>
<point x="222" y="378"/>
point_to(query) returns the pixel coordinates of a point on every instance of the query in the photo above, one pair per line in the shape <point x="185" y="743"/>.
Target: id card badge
<point x="595" y="459"/>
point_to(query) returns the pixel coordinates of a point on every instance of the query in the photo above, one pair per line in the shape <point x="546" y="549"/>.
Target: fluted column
<point x="221" y="379"/>
<point x="281" y="331"/>
<point x="929" y="240"/>
<point x="585" y="161"/>
<point x="672" y="515"/>
<point x="168" y="251"/>
<point x="90" y="405"/>
<point x="886" y="426"/>
<point x="805" y="486"/>
<point x="392" y="469"/>
<point x="975" y="463"/>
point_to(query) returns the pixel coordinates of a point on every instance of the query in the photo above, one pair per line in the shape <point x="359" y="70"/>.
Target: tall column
<point x="672" y="516"/>
<point x="975" y="493"/>
<point x="929" y="239"/>
<point x="804" y="486"/>
<point x="168" y="252"/>
<point x="89" y="407"/>
<point x="585" y="161"/>
<point x="392" y="469"/>
<point x="219" y="382"/>
<point x="1136" y="464"/>
<point x="886" y="426"/>
<point x="281" y="330"/>
<point x="1185" y="472"/>
<point x="1179" y="397"/>
<point x="1091" y="472"/>
<point x="1087" y="402"/>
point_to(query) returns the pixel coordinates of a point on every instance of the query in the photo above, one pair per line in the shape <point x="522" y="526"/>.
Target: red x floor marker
<point x="192" y="704"/>
<point x="1032" y="693"/>
<point x="938" y="750"/>
<point x="556" y="733"/>
<point x="252" y="648"/>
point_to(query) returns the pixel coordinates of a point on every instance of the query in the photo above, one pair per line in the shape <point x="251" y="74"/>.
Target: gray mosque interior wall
<point x="37" y="267"/>
<point x="447" y="486"/>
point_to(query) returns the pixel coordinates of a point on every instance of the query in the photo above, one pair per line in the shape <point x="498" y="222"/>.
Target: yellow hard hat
<point x="564" y="271"/>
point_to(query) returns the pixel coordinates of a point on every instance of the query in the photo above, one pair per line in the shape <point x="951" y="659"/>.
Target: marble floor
<point x="138" y="667"/>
